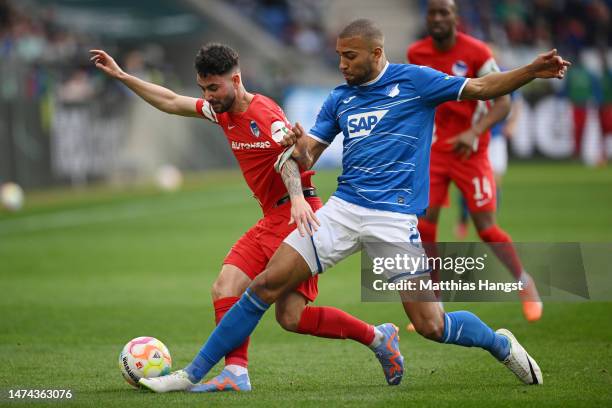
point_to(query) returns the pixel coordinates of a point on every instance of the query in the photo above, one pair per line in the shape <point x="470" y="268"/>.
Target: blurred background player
<point x="254" y="126"/>
<point x="501" y="133"/>
<point x="461" y="138"/>
<point x="580" y="88"/>
<point x="604" y="98"/>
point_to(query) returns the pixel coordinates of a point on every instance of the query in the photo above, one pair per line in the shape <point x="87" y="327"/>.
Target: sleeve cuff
<point x="318" y="139"/>
<point x="461" y="89"/>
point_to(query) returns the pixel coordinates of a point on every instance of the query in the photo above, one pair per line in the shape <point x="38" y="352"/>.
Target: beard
<point x="441" y="36"/>
<point x="361" y="78"/>
<point x="224" y="105"/>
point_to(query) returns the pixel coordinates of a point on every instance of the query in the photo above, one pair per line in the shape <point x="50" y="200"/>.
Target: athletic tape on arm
<point x="282" y="158"/>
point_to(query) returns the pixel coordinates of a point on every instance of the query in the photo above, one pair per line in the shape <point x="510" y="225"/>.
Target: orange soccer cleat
<point x="532" y="304"/>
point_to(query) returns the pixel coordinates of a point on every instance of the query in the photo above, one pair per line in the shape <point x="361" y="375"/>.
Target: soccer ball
<point x="168" y="178"/>
<point x="144" y="357"/>
<point x="11" y="196"/>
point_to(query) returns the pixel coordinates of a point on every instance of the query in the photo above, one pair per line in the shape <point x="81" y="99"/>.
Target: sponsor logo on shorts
<point x="481" y="203"/>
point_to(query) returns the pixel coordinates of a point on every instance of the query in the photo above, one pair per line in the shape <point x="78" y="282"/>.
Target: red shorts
<point x="254" y="249"/>
<point x="473" y="177"/>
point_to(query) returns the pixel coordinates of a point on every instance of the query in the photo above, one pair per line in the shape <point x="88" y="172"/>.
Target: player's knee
<point x="264" y="289"/>
<point x="483" y="221"/>
<point x="222" y="288"/>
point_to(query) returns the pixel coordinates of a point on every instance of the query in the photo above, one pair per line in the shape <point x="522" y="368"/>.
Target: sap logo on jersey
<point x="363" y="123"/>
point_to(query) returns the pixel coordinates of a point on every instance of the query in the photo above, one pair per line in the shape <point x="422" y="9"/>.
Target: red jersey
<point x="468" y="58"/>
<point x="254" y="137"/>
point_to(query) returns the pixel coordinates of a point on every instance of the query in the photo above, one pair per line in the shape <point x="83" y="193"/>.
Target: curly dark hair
<point x="215" y="59"/>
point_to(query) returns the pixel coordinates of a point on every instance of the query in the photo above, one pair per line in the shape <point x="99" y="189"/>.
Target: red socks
<point x="238" y="356"/>
<point x="334" y="323"/>
<point x="317" y="321"/>
<point x="503" y="249"/>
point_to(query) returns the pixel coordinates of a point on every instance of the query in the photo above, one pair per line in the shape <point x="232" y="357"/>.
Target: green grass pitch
<point x="84" y="272"/>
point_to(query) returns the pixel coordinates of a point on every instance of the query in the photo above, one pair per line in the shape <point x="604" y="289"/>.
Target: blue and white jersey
<point x="387" y="125"/>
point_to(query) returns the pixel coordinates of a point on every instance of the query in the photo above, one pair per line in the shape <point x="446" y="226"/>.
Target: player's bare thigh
<point x="424" y="311"/>
<point x="231" y="282"/>
<point x="285" y="271"/>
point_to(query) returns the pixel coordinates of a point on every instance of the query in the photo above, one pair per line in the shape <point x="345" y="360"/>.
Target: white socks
<point x="378" y="338"/>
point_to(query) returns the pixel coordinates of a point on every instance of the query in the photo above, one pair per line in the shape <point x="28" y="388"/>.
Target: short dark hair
<point x="215" y="59"/>
<point x="362" y="28"/>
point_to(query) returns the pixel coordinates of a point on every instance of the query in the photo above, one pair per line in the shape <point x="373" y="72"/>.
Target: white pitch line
<point x="109" y="213"/>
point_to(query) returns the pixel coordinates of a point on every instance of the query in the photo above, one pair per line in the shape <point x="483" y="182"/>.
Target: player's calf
<point x="432" y="330"/>
<point x="289" y="309"/>
<point x="427" y="317"/>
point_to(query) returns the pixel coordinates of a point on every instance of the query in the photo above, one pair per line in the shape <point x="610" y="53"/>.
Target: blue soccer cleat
<point x="226" y="381"/>
<point x="388" y="353"/>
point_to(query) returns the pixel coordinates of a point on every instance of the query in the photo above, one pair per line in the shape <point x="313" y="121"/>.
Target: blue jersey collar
<point x="378" y="77"/>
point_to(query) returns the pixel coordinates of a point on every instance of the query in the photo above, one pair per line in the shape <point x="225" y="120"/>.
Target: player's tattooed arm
<point x="162" y="98"/>
<point x="301" y="211"/>
<point x="290" y="173"/>
<point x="547" y="65"/>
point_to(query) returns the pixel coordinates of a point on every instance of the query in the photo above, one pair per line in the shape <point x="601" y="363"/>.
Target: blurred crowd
<point x="55" y="58"/>
<point x="568" y="24"/>
<point x="572" y="26"/>
<point x="56" y="107"/>
<point x="575" y="27"/>
<point x="50" y="93"/>
<point x="30" y="39"/>
<point x="296" y="23"/>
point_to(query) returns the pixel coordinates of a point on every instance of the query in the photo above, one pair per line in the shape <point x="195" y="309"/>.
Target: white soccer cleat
<point x="175" y="381"/>
<point x="520" y="362"/>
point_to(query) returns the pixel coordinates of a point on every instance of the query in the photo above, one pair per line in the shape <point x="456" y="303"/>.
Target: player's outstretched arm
<point x="547" y="65"/>
<point x="162" y="98"/>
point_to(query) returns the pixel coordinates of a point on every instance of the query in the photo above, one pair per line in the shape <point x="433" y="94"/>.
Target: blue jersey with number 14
<point x="387" y="125"/>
